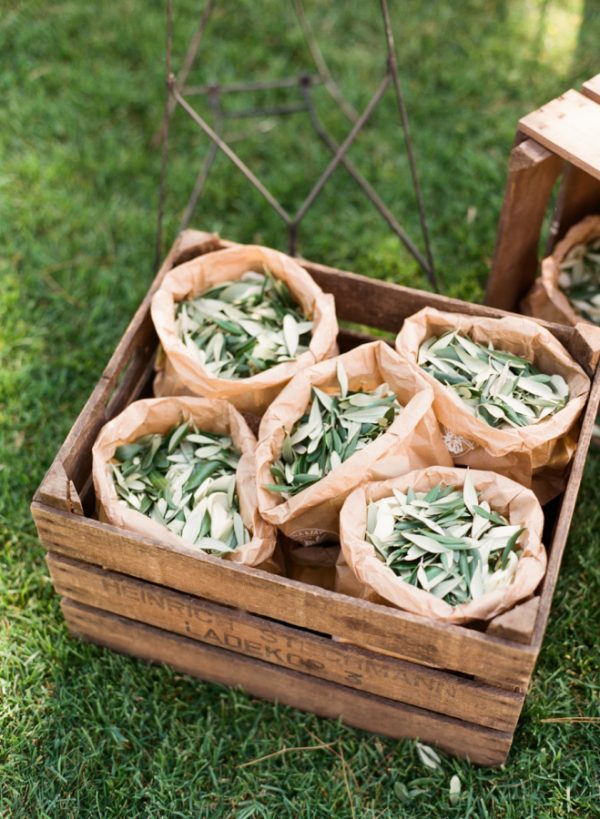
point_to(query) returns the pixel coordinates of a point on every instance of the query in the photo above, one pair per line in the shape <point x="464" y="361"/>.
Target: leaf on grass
<point x="455" y="787"/>
<point x="428" y="756"/>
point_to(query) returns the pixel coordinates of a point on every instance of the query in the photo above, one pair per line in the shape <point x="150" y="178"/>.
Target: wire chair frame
<point x="179" y="94"/>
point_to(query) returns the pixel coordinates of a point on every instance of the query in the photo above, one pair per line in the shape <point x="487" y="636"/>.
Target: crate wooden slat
<point x="458" y="687"/>
<point x="279" y="644"/>
<point x="591" y="88"/>
<point x="308" y="693"/>
<point x="309" y="607"/>
<point x="568" y="126"/>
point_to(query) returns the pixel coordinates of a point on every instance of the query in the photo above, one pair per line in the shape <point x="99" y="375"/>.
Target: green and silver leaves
<point x="446" y="542"/>
<point x="334" y="428"/>
<point x="580" y="279"/>
<point x="186" y="481"/>
<point x="500" y="388"/>
<point x="243" y="327"/>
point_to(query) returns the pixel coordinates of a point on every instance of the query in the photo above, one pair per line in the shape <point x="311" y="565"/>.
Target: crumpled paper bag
<point x="161" y="415"/>
<point x="179" y="372"/>
<point x="413" y="440"/>
<point x="360" y="573"/>
<point x="536" y="455"/>
<point x="546" y="300"/>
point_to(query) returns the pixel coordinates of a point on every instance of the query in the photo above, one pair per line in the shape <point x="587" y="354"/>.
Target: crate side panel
<point x="375" y="714"/>
<point x="289" y="647"/>
<point x="495" y="661"/>
<point x="567" y="509"/>
<point x="532" y="173"/>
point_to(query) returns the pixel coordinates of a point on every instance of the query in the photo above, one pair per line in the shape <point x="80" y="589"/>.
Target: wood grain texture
<point x="568" y="126"/>
<point x="281" y="645"/>
<point x="504" y="664"/>
<point x="378" y="715"/>
<point x="517" y="624"/>
<point x="57" y="490"/>
<point x="532" y="172"/>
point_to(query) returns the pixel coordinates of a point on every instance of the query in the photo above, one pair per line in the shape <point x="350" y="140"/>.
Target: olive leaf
<point x="335" y="426"/>
<point x="580" y="279"/>
<point x="428" y="756"/>
<point x="455" y="788"/>
<point x="185" y="480"/>
<point x="243" y="327"/>
<point x="447" y="542"/>
<point x="500" y="388"/>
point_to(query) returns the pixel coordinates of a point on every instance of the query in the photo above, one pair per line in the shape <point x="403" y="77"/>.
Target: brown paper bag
<point x="180" y="373"/>
<point x="535" y="455"/>
<point x="362" y="574"/>
<point x="413" y="440"/>
<point x="161" y="415"/>
<point x="546" y="300"/>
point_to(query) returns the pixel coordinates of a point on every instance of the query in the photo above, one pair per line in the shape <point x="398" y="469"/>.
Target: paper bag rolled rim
<point x="368" y="364"/>
<point x="159" y="415"/>
<point x="192" y="278"/>
<point x="508" y="497"/>
<point x="516" y="335"/>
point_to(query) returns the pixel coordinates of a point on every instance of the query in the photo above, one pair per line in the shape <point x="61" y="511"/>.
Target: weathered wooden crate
<point x="457" y="687"/>
<point x="557" y="143"/>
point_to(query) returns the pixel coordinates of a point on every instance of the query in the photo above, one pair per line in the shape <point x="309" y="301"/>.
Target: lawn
<point x="86" y="732"/>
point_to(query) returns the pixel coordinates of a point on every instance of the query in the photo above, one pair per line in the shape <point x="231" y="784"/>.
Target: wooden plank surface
<point x="518" y="623"/>
<point x="507" y="665"/>
<point x="561" y="531"/>
<point x="570" y="127"/>
<point x="532" y="172"/>
<point x="591" y="88"/>
<point x="326" y="699"/>
<point x="57" y="490"/>
<point x="281" y="645"/>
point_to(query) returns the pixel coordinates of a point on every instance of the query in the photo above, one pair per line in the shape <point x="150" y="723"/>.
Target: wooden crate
<point x="558" y="143"/>
<point x="460" y="688"/>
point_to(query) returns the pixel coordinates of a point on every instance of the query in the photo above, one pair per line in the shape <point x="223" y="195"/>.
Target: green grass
<point x="88" y="733"/>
